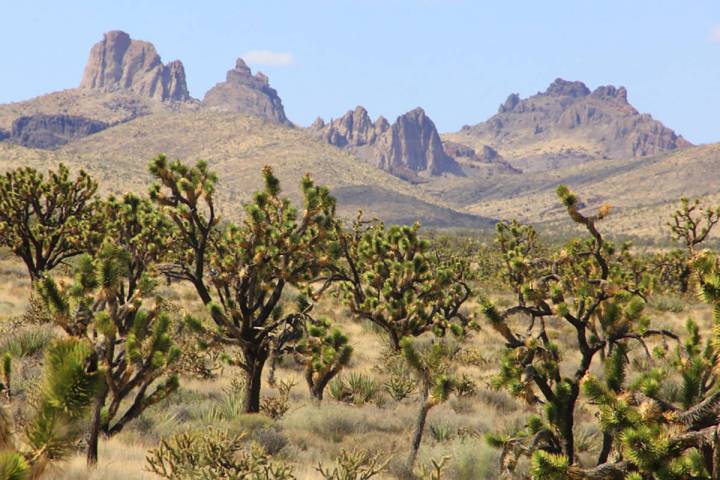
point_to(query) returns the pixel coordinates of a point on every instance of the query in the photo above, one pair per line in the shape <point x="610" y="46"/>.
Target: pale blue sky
<point x="457" y="59"/>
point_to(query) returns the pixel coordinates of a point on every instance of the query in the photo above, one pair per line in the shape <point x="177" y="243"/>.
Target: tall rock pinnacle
<point x="119" y="63"/>
<point x="409" y="148"/>
<point x="244" y="92"/>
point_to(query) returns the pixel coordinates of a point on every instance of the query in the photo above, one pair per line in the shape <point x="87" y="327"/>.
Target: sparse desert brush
<point x="213" y="454"/>
<point x="668" y="303"/>
<point x="354" y="465"/>
<point x="356" y="388"/>
<point x="27" y="341"/>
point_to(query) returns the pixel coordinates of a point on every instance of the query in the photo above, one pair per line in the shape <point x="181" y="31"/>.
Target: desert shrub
<point x="271" y="439"/>
<point x="473" y="460"/>
<point x="434" y="469"/>
<point x="336" y="421"/>
<point x="465" y="386"/>
<point x="230" y="405"/>
<point x="36" y="312"/>
<point x="668" y="303"/>
<point x="211" y="454"/>
<point x="354" y="465"/>
<point x="462" y="405"/>
<point x="276" y="406"/>
<point x="498" y="399"/>
<point x="250" y="423"/>
<point x="441" y="431"/>
<point x="398" y="384"/>
<point x="472" y="356"/>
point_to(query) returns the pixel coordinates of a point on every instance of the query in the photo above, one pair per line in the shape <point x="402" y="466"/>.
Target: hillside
<point x="642" y="191"/>
<point x="237" y="147"/>
<point x="108" y="107"/>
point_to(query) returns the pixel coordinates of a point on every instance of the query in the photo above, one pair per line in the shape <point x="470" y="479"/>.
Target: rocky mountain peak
<point x="318" y="124"/>
<point x="566" y="125"/>
<point x="240" y="67"/>
<point x="381" y="124"/>
<point x="409" y="147"/>
<point x="609" y="92"/>
<point x="246" y="93"/>
<point x="564" y="88"/>
<point x="415" y="146"/>
<point x="511" y="102"/>
<point x="121" y="63"/>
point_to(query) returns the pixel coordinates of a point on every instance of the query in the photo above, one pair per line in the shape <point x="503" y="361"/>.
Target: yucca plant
<point x="70" y="381"/>
<point x="241" y="271"/>
<point x="658" y="434"/>
<point x="111" y="303"/>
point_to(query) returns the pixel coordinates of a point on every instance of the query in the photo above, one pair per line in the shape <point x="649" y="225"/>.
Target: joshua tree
<point x="691" y="225"/>
<point x="390" y="277"/>
<point x="241" y="271"/>
<point x="109" y="305"/>
<point x="585" y="286"/>
<point x="324" y="351"/>
<point x="45" y="221"/>
<point x="432" y="363"/>
<point x="70" y="380"/>
<point x="665" y="423"/>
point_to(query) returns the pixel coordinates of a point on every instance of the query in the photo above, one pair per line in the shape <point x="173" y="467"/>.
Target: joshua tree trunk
<point x="95" y="426"/>
<point x="566" y="430"/>
<point x="419" y="426"/>
<point x="606" y="447"/>
<point x="255" y="363"/>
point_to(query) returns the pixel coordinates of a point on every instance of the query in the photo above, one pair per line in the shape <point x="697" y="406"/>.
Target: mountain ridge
<point x="508" y="166"/>
<point x="568" y="124"/>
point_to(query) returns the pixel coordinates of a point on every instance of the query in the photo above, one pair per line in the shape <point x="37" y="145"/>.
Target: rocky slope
<point x="569" y="124"/>
<point x="120" y="63"/>
<point x="410" y="148"/>
<point x="50" y="131"/>
<point x="486" y="157"/>
<point x="243" y="92"/>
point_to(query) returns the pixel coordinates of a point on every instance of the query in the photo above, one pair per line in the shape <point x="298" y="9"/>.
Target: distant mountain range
<point x="130" y="106"/>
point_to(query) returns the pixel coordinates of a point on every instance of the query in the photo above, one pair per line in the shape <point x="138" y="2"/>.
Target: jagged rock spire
<point x="119" y="63"/>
